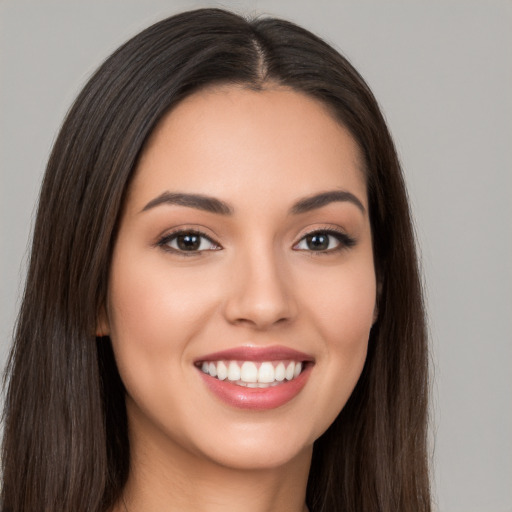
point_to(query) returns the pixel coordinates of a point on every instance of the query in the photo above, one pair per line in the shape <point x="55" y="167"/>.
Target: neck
<point x="173" y="480"/>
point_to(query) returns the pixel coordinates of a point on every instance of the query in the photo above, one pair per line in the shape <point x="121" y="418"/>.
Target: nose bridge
<point x="260" y="292"/>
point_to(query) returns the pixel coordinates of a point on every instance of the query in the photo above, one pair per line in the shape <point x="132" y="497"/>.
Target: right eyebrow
<point x="198" y="201"/>
<point x="319" y="200"/>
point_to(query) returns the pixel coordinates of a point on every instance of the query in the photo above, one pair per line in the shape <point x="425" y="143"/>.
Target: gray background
<point x="442" y="73"/>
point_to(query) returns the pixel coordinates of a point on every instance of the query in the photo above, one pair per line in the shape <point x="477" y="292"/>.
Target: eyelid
<point x="345" y="240"/>
<point x="164" y="240"/>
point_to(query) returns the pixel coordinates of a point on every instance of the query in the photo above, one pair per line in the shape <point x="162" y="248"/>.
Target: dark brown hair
<point x="65" y="444"/>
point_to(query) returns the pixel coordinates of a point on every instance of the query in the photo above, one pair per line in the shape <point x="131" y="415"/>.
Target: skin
<point x="258" y="284"/>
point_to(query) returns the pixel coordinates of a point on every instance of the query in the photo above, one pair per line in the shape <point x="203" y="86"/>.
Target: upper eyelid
<point x="184" y="229"/>
<point x="324" y="229"/>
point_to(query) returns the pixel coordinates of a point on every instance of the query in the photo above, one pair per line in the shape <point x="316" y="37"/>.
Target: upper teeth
<point x="251" y="374"/>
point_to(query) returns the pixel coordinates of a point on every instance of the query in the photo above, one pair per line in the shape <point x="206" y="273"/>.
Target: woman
<point x="223" y="308"/>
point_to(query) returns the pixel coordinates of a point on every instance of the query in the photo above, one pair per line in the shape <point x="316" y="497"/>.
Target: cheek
<point x="155" y="312"/>
<point x="344" y="306"/>
<point x="137" y="338"/>
<point x="342" y="310"/>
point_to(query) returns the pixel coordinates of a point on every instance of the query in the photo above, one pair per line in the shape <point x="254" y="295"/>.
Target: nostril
<point x="259" y="314"/>
<point x="258" y="293"/>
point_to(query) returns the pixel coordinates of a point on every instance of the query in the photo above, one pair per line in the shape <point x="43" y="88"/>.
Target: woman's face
<point x="242" y="288"/>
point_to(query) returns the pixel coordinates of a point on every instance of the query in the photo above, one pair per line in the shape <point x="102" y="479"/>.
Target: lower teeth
<point x="255" y="384"/>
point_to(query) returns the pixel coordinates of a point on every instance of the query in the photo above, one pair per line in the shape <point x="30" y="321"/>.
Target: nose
<point x="260" y="294"/>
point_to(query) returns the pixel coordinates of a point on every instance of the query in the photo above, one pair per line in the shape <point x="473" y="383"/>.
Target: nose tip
<point x="260" y="298"/>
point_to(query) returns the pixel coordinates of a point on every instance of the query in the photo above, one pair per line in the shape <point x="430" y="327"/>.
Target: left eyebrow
<point x="319" y="200"/>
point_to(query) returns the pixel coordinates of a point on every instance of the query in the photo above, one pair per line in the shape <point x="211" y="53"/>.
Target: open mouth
<point x="253" y="374"/>
<point x="256" y="378"/>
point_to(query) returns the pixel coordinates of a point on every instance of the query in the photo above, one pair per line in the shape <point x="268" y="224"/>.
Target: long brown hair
<point x="65" y="441"/>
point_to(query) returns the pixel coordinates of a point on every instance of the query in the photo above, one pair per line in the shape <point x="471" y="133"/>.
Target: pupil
<point x="318" y="242"/>
<point x="188" y="242"/>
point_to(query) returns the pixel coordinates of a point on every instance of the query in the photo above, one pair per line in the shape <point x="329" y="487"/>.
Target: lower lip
<point x="257" y="399"/>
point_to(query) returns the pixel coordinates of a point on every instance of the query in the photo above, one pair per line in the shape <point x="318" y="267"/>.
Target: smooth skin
<point x="256" y="276"/>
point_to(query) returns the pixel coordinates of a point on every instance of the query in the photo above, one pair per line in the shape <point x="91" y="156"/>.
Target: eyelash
<point x="344" y="241"/>
<point x="167" y="239"/>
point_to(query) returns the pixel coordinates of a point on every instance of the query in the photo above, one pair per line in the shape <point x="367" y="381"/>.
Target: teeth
<point x="280" y="372"/>
<point x="290" y="371"/>
<point x="222" y="371"/>
<point x="266" y="373"/>
<point x="248" y="373"/>
<point x="233" y="371"/>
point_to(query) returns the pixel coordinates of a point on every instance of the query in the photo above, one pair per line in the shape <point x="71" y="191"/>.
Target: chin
<point x="255" y="457"/>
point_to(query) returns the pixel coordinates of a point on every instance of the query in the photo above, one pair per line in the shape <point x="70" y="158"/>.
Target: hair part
<point x="65" y="441"/>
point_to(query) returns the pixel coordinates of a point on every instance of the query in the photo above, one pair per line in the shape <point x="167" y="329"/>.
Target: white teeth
<point x="290" y="370"/>
<point x="255" y="384"/>
<point x="233" y="371"/>
<point x="249" y="372"/>
<point x="280" y="372"/>
<point x="266" y="373"/>
<point x="251" y="375"/>
<point x="222" y="371"/>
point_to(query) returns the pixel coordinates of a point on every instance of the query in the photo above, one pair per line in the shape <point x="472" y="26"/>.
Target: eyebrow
<point x="200" y="202"/>
<point x="318" y="200"/>
<point x="214" y="205"/>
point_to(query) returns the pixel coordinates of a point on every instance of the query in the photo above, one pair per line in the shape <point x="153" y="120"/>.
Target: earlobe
<point x="375" y="313"/>
<point x="102" y="324"/>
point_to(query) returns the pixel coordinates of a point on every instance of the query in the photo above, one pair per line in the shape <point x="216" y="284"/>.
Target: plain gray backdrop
<point x="442" y="72"/>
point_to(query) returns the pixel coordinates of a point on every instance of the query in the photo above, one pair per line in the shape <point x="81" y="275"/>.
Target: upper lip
<point x="257" y="354"/>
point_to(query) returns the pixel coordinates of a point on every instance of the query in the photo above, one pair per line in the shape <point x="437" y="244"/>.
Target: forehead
<point x="276" y="139"/>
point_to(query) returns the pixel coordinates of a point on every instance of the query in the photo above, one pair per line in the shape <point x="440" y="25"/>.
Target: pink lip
<point x="257" y="354"/>
<point x="257" y="399"/>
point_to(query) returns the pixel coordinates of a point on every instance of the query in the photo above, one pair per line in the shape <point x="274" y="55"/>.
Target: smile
<point x="257" y="378"/>
<point x="253" y="374"/>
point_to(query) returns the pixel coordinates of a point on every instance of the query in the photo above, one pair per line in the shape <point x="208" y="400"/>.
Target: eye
<point x="324" y="241"/>
<point x="188" y="242"/>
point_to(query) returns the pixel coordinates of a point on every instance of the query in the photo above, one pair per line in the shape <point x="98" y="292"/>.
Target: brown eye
<point x="188" y="242"/>
<point x="317" y="242"/>
<point x="325" y="241"/>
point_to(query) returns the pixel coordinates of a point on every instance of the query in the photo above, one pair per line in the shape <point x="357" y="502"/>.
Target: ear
<point x="102" y="323"/>
<point x="377" y="301"/>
